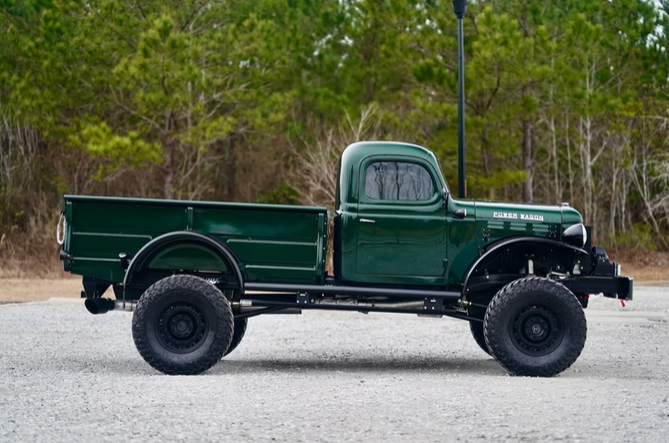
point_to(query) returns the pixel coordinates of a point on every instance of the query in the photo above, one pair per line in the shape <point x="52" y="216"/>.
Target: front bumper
<point x="611" y="286"/>
<point x="604" y="277"/>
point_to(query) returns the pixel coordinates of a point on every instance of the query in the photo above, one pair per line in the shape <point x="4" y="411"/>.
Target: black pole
<point x="460" y="8"/>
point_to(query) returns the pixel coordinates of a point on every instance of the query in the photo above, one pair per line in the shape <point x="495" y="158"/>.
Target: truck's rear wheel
<point x="535" y="327"/>
<point x="238" y="334"/>
<point x="182" y="325"/>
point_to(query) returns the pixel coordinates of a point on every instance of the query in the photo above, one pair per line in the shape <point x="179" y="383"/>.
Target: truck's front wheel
<point x="535" y="327"/>
<point x="182" y="325"/>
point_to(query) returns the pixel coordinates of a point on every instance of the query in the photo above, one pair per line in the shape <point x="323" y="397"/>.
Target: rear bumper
<point x="611" y="286"/>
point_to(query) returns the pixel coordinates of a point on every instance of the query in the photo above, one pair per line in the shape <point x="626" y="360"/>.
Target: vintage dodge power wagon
<point x="194" y="272"/>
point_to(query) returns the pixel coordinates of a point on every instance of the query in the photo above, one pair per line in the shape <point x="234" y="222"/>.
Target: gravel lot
<point x="66" y="375"/>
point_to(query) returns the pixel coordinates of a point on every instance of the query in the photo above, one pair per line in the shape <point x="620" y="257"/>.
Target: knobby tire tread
<point x="494" y="328"/>
<point x="223" y="332"/>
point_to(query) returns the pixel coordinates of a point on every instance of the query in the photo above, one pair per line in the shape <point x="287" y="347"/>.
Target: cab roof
<point x="356" y="152"/>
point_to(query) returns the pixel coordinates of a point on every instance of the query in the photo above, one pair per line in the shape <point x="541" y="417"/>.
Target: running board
<point x="270" y="305"/>
<point x="352" y="290"/>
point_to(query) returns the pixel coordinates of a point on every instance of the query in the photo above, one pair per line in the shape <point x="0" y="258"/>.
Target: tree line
<point x="253" y="101"/>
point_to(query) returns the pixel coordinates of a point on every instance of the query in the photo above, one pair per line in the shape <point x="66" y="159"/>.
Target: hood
<point x="527" y="213"/>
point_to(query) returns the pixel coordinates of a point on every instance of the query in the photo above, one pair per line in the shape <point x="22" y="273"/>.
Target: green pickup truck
<point x="194" y="272"/>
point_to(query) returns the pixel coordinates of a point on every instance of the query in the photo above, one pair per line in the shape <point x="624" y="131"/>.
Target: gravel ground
<point x="68" y="376"/>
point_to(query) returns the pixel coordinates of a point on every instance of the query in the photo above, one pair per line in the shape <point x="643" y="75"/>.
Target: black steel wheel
<point x="182" y="325"/>
<point x="535" y="327"/>
<point x="238" y="334"/>
<point x="476" y="328"/>
<point x="536" y="330"/>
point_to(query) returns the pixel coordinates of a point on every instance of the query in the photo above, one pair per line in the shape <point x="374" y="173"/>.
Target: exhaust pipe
<point x="103" y="305"/>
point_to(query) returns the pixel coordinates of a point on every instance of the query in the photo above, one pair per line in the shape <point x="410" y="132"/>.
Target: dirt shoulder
<point x="651" y="267"/>
<point x="25" y="290"/>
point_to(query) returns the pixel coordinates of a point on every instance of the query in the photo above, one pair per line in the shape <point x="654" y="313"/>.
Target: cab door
<point x="401" y="223"/>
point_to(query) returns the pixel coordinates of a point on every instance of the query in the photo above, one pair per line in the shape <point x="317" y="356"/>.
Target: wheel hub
<point x="536" y="330"/>
<point x="181" y="327"/>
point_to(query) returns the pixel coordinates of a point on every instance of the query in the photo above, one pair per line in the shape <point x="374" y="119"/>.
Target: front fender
<point x="492" y="251"/>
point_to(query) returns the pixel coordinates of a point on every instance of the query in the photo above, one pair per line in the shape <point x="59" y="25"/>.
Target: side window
<point x="388" y="180"/>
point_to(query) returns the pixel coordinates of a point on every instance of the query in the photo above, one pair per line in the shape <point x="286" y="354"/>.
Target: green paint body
<point x="404" y="243"/>
<point x="274" y="243"/>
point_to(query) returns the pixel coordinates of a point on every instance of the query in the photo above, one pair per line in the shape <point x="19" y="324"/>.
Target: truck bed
<point x="274" y="243"/>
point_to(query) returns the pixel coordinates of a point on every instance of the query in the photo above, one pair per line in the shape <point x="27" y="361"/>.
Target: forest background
<point x="253" y="100"/>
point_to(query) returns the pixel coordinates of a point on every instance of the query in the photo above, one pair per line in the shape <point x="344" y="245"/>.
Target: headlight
<point x="575" y="235"/>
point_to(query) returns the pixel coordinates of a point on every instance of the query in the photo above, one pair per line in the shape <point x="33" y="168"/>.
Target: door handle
<point x="366" y="220"/>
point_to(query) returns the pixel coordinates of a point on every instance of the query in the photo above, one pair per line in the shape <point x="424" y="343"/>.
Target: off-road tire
<point x="519" y="306"/>
<point x="238" y="334"/>
<point x="476" y="328"/>
<point x="158" y="325"/>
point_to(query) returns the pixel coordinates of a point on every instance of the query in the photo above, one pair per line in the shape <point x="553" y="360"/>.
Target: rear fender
<point x="165" y="252"/>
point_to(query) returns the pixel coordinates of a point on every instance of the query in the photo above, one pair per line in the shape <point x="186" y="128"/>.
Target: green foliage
<point x="214" y="100"/>
<point x="638" y="239"/>
<point x="282" y="195"/>
<point x="120" y="150"/>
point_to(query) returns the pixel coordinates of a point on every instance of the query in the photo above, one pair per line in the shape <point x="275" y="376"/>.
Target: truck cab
<point x="391" y="220"/>
<point x="397" y="223"/>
